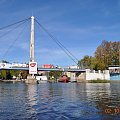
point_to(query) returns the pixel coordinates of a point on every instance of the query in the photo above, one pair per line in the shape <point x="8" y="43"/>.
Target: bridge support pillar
<point x="31" y="79"/>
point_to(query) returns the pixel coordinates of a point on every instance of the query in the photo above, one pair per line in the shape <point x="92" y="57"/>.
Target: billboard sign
<point x="32" y="67"/>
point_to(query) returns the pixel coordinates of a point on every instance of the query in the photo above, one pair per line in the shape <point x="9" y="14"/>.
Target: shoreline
<point x="85" y="81"/>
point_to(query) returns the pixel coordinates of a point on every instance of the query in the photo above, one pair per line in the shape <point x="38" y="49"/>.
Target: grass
<point x="98" y="81"/>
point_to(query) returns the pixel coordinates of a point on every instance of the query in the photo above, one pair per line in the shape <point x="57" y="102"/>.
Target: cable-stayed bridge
<point x="63" y="47"/>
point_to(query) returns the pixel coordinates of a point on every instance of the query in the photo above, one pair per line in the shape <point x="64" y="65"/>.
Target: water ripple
<point x="59" y="101"/>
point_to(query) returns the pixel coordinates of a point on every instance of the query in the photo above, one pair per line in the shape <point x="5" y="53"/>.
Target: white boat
<point x="42" y="79"/>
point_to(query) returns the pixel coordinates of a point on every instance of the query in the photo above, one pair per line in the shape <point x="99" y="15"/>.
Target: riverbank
<point x="98" y="81"/>
<point x="52" y="81"/>
<point x="12" y="81"/>
<point x="103" y="81"/>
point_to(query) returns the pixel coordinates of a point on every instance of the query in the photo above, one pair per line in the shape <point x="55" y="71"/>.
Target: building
<point x="19" y="65"/>
<point x="10" y="65"/>
<point x="47" y="66"/>
<point x="114" y="72"/>
<point x="5" y="65"/>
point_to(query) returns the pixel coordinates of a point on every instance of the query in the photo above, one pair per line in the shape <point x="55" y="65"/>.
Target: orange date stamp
<point x="112" y="110"/>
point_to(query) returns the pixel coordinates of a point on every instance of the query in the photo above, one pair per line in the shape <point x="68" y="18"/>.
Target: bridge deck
<point x="46" y="69"/>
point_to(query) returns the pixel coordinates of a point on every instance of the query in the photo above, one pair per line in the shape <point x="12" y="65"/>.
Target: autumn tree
<point x="106" y="54"/>
<point x="115" y="49"/>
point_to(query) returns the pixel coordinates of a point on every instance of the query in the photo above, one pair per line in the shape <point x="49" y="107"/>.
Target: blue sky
<point x="80" y="25"/>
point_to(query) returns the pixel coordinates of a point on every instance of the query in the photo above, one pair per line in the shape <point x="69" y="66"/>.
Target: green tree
<point x="3" y="74"/>
<point x="24" y="74"/>
<point x="5" y="61"/>
<point x="55" y="74"/>
<point x="88" y="62"/>
<point x="14" y="72"/>
<point x="8" y="74"/>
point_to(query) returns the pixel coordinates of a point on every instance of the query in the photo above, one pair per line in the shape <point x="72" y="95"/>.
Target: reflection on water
<point x="60" y="101"/>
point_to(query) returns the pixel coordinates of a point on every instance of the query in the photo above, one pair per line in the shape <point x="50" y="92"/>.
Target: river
<point x="60" y="101"/>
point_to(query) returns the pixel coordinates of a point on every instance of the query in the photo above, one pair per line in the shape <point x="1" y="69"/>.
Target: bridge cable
<point x="20" y="33"/>
<point x="71" y="56"/>
<point x="58" y="43"/>
<point x="12" y="29"/>
<point x="14" y="24"/>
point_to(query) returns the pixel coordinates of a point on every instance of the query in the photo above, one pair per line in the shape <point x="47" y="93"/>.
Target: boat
<point x="64" y="78"/>
<point x="73" y="80"/>
<point x="41" y="79"/>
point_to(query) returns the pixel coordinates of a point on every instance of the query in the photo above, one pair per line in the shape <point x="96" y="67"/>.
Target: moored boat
<point x="41" y="79"/>
<point x="64" y="78"/>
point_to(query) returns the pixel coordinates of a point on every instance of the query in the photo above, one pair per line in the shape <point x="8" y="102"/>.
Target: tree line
<point x="8" y="74"/>
<point x="106" y="54"/>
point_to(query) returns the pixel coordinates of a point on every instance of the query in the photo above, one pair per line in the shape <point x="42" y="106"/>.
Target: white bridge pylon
<point x="32" y="40"/>
<point x="32" y="64"/>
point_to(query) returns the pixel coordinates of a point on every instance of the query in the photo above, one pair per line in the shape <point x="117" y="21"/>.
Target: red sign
<point x="32" y="64"/>
<point x="32" y="67"/>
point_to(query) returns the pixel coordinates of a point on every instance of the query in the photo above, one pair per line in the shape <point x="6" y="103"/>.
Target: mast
<point x="32" y="40"/>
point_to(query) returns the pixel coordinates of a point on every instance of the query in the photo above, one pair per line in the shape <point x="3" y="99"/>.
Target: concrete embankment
<point x="12" y="81"/>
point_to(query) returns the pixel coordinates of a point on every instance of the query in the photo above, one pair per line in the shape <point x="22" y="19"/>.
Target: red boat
<point x="64" y="78"/>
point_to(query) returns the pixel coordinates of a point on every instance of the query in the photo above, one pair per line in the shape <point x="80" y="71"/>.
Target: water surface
<point x="60" y="101"/>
